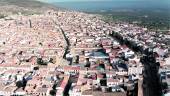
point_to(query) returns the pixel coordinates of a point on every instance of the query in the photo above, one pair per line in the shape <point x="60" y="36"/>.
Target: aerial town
<point x="68" y="53"/>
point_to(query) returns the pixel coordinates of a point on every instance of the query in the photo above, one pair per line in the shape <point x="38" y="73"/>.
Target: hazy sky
<point x="76" y="0"/>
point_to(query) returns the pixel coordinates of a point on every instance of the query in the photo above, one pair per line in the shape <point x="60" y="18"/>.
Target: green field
<point x="155" y="20"/>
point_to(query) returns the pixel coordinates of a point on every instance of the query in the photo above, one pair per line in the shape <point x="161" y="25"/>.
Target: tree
<point x="24" y="83"/>
<point x="164" y="86"/>
<point x="36" y="68"/>
<point x="41" y="62"/>
<point x="19" y="84"/>
<point x="52" y="92"/>
<point x="2" y="16"/>
<point x="51" y="60"/>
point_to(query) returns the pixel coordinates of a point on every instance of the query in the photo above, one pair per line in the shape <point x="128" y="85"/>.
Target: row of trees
<point x="151" y="80"/>
<point x="131" y="44"/>
<point x="151" y="83"/>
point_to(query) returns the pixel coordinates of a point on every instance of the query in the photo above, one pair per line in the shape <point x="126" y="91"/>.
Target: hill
<point x="25" y="7"/>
